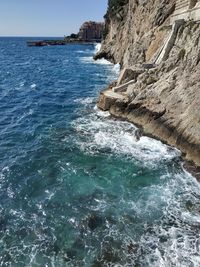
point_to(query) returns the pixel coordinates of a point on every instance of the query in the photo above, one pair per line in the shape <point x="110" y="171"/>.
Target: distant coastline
<point x="89" y="32"/>
<point x="60" y="42"/>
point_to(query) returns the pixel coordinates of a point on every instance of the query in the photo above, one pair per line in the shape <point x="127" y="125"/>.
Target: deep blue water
<point x="76" y="188"/>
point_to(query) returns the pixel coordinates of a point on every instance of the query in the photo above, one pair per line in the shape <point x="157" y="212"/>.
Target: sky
<point x="47" y="17"/>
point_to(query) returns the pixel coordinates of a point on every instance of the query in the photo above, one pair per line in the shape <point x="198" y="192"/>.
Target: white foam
<point x="119" y="137"/>
<point x="84" y="100"/>
<point x="49" y="194"/>
<point x="90" y="60"/>
<point x="116" y="68"/>
<point x="103" y="62"/>
<point x="33" y="86"/>
<point x="21" y="84"/>
<point x="97" y="48"/>
<point x="182" y="241"/>
<point x="101" y="113"/>
<point x="6" y="169"/>
<point x="87" y="60"/>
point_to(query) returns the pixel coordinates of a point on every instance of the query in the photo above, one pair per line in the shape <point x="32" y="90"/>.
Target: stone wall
<point x="187" y="10"/>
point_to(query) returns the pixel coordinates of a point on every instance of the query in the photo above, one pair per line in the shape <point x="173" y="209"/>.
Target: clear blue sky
<point x="47" y="17"/>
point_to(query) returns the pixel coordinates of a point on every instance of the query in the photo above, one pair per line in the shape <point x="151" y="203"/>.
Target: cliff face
<point x="164" y="100"/>
<point x="132" y="32"/>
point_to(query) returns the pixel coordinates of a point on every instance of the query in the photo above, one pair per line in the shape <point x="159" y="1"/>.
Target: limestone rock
<point x="108" y="98"/>
<point x="142" y="22"/>
<point x="131" y="91"/>
<point x="128" y="74"/>
<point x="164" y="100"/>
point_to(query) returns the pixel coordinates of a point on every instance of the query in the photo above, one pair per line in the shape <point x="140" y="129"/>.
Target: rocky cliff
<point x="91" y="30"/>
<point x="135" y="29"/>
<point x="162" y="96"/>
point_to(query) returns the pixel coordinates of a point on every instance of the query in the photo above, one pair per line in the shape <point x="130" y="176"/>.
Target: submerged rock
<point x="95" y="221"/>
<point x="138" y="134"/>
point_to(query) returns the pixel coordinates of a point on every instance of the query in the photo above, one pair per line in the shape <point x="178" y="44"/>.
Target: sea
<point x="76" y="186"/>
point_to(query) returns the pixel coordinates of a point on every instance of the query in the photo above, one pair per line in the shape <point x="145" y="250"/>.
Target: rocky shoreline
<point x="152" y="126"/>
<point x="152" y="123"/>
<point x="158" y="87"/>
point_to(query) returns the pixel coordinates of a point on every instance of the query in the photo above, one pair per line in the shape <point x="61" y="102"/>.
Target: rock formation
<point x="91" y="30"/>
<point x="159" y="85"/>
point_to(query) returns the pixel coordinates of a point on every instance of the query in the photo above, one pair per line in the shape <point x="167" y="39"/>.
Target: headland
<point x="89" y="32"/>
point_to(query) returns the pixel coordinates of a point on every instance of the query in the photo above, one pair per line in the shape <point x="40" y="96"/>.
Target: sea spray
<point x="97" y="48"/>
<point x="117" y="68"/>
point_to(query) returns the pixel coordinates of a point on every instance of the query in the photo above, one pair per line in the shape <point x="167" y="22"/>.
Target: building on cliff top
<point x="91" y="30"/>
<point x="187" y="10"/>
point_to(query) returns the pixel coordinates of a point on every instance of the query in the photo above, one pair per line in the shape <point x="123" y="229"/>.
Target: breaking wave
<point x="90" y="60"/>
<point x="121" y="138"/>
<point x="97" y="48"/>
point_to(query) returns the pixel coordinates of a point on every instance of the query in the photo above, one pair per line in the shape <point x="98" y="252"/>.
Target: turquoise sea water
<point x="76" y="188"/>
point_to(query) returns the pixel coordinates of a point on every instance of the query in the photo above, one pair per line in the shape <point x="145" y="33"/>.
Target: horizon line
<point x="33" y="36"/>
